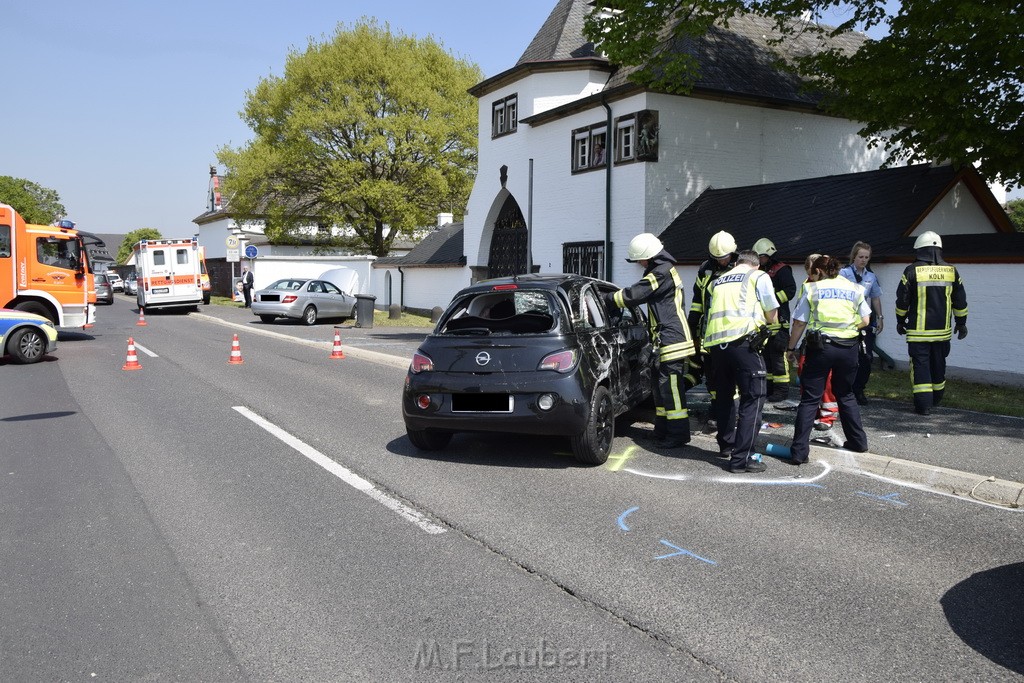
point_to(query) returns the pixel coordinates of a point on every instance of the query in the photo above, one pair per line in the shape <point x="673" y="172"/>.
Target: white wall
<point x="957" y="214"/>
<point x="267" y="269"/>
<point x="425" y="288"/>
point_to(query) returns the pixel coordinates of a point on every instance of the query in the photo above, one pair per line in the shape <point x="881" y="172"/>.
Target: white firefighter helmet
<point x="722" y="244"/>
<point x="928" y="239"/>
<point x="764" y="247"/>
<point x="643" y="246"/>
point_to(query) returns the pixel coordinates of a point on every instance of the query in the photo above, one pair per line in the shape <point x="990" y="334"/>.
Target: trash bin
<point x="364" y="310"/>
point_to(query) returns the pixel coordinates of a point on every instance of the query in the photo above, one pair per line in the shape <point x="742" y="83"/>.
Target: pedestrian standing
<point x="743" y="305"/>
<point x="828" y="409"/>
<point x="930" y="293"/>
<point x="775" y="358"/>
<point x="661" y="288"/>
<point x="247" y="280"/>
<point x="859" y="271"/>
<point x="832" y="310"/>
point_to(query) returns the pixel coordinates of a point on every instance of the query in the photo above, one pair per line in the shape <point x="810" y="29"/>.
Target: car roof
<point x="545" y="281"/>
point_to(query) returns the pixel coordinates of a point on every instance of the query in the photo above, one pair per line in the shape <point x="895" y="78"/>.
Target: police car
<point x="26" y="337"/>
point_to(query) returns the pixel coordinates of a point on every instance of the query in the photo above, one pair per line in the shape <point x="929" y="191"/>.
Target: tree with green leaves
<point x="946" y="82"/>
<point x="35" y="203"/>
<point x="1015" y="209"/>
<point x="371" y="131"/>
<point x="133" y="238"/>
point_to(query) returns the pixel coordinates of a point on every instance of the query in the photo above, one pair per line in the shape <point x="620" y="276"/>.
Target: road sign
<point x="251" y="252"/>
<point x="233" y="256"/>
<point x="231" y="242"/>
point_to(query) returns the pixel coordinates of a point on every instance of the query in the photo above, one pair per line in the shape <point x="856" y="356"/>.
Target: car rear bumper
<point x="454" y="406"/>
<point x="282" y="310"/>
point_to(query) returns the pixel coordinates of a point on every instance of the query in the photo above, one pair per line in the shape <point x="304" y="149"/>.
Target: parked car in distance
<point x="532" y="354"/>
<point x="104" y="292"/>
<point x="116" y="283"/>
<point x="302" y="299"/>
<point x="130" y="285"/>
<point x="26" y="337"/>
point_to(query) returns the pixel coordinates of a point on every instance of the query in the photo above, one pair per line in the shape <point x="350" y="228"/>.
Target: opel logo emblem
<point x="483" y="358"/>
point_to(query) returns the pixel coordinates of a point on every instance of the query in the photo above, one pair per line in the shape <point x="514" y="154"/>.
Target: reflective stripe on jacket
<point x="835" y="306"/>
<point x="661" y="288"/>
<point x="928" y="296"/>
<point x="735" y="310"/>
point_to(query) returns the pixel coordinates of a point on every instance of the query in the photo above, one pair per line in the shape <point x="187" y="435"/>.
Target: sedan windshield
<point x="288" y="285"/>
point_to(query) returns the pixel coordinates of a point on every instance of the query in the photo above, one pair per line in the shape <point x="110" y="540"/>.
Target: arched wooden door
<point x="508" y="242"/>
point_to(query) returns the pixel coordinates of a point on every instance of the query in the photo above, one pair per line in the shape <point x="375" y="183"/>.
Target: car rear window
<point x="502" y="312"/>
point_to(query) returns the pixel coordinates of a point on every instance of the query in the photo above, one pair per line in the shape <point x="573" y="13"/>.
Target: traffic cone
<point x="236" y="352"/>
<point x="142" y="317"/>
<point x="337" y="352"/>
<point x="132" y="362"/>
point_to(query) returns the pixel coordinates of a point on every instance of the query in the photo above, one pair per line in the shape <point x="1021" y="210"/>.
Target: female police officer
<point x="832" y="310"/>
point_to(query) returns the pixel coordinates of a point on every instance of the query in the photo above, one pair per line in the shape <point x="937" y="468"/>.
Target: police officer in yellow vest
<point x="661" y="289"/>
<point x="832" y="310"/>
<point x="743" y="305"/>
<point x="929" y="294"/>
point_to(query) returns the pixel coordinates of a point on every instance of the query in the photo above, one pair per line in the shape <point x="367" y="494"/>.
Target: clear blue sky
<point x="121" y="106"/>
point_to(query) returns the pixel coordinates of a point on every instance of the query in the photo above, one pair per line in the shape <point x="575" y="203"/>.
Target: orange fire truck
<point x="44" y="269"/>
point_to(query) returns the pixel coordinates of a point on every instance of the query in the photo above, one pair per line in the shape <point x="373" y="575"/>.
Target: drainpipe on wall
<point x="609" y="156"/>
<point x="401" y="288"/>
<point x="529" y="223"/>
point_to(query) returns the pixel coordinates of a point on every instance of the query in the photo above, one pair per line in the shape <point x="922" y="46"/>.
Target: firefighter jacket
<point x="706" y="274"/>
<point x="785" y="289"/>
<point x="661" y="289"/>
<point x="930" y="293"/>
<point x="834" y="307"/>
<point x="739" y="299"/>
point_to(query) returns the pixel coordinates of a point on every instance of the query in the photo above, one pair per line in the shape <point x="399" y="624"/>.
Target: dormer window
<point x="504" y="116"/>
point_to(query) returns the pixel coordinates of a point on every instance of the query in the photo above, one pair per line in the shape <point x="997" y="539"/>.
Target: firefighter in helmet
<point x="661" y="288"/>
<point x="785" y="289"/>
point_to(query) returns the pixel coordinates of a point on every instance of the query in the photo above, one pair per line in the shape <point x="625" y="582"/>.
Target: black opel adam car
<point x="532" y="354"/>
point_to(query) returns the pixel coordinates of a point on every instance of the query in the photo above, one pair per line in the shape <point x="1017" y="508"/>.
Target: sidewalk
<point x="952" y="451"/>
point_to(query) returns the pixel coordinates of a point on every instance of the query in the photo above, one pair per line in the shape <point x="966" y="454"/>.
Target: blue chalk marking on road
<point x="622" y="518"/>
<point x="683" y="551"/>
<point x="888" y="498"/>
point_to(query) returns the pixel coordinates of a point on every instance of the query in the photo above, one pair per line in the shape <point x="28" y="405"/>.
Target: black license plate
<point x="482" y="403"/>
<point x="270" y="297"/>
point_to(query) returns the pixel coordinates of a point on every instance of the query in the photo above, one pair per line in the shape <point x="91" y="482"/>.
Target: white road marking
<point x="140" y="347"/>
<point x="343" y="473"/>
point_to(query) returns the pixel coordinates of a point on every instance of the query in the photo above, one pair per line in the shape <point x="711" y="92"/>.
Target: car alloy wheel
<point x="595" y="442"/>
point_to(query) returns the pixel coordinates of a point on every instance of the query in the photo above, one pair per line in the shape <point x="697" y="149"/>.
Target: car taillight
<point x="420" y="363"/>
<point x="289" y="298"/>
<point x="560" y="361"/>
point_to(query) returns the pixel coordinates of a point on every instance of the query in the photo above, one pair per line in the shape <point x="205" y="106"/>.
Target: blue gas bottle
<point x="778" y="450"/>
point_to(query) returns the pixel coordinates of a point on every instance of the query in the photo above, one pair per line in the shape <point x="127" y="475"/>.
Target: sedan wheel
<point x="594" y="444"/>
<point x="428" y="439"/>
<point x="267" y="318"/>
<point x="309" y="315"/>
<point x="27" y="346"/>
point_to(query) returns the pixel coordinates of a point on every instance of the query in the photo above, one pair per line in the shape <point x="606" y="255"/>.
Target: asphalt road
<point x="206" y="521"/>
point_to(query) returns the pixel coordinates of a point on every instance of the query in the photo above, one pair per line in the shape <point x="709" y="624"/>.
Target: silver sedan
<point x="303" y="299"/>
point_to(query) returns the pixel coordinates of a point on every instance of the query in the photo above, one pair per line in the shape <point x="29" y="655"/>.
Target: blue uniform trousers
<point x="737" y="366"/>
<point x="842" y="363"/>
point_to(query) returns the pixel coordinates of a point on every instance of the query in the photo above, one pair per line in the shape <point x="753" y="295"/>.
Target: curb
<point x="353" y="351"/>
<point x="976" y="487"/>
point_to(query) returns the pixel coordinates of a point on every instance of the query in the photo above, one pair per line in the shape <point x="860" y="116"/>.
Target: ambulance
<point x="168" y="274"/>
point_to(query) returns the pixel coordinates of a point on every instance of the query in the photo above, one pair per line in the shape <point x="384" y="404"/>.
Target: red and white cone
<point x="337" y="352"/>
<point x="142" y="317"/>
<point x="132" y="362"/>
<point x="236" y="352"/>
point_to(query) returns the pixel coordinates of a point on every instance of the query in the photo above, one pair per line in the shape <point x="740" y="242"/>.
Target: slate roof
<point x="443" y="247"/>
<point x="827" y="215"/>
<point x="735" y="61"/>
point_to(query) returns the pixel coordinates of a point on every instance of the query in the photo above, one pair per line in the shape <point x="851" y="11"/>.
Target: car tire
<point x="594" y="444"/>
<point x="428" y="439"/>
<point x="268" y="318"/>
<point x="27" y="345"/>
<point x="35" y="307"/>
<point x="309" y="316"/>
<point x="352" y="315"/>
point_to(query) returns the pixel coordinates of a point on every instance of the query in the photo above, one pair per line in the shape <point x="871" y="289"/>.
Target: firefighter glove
<point x="901" y="327"/>
<point x="961" y="330"/>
